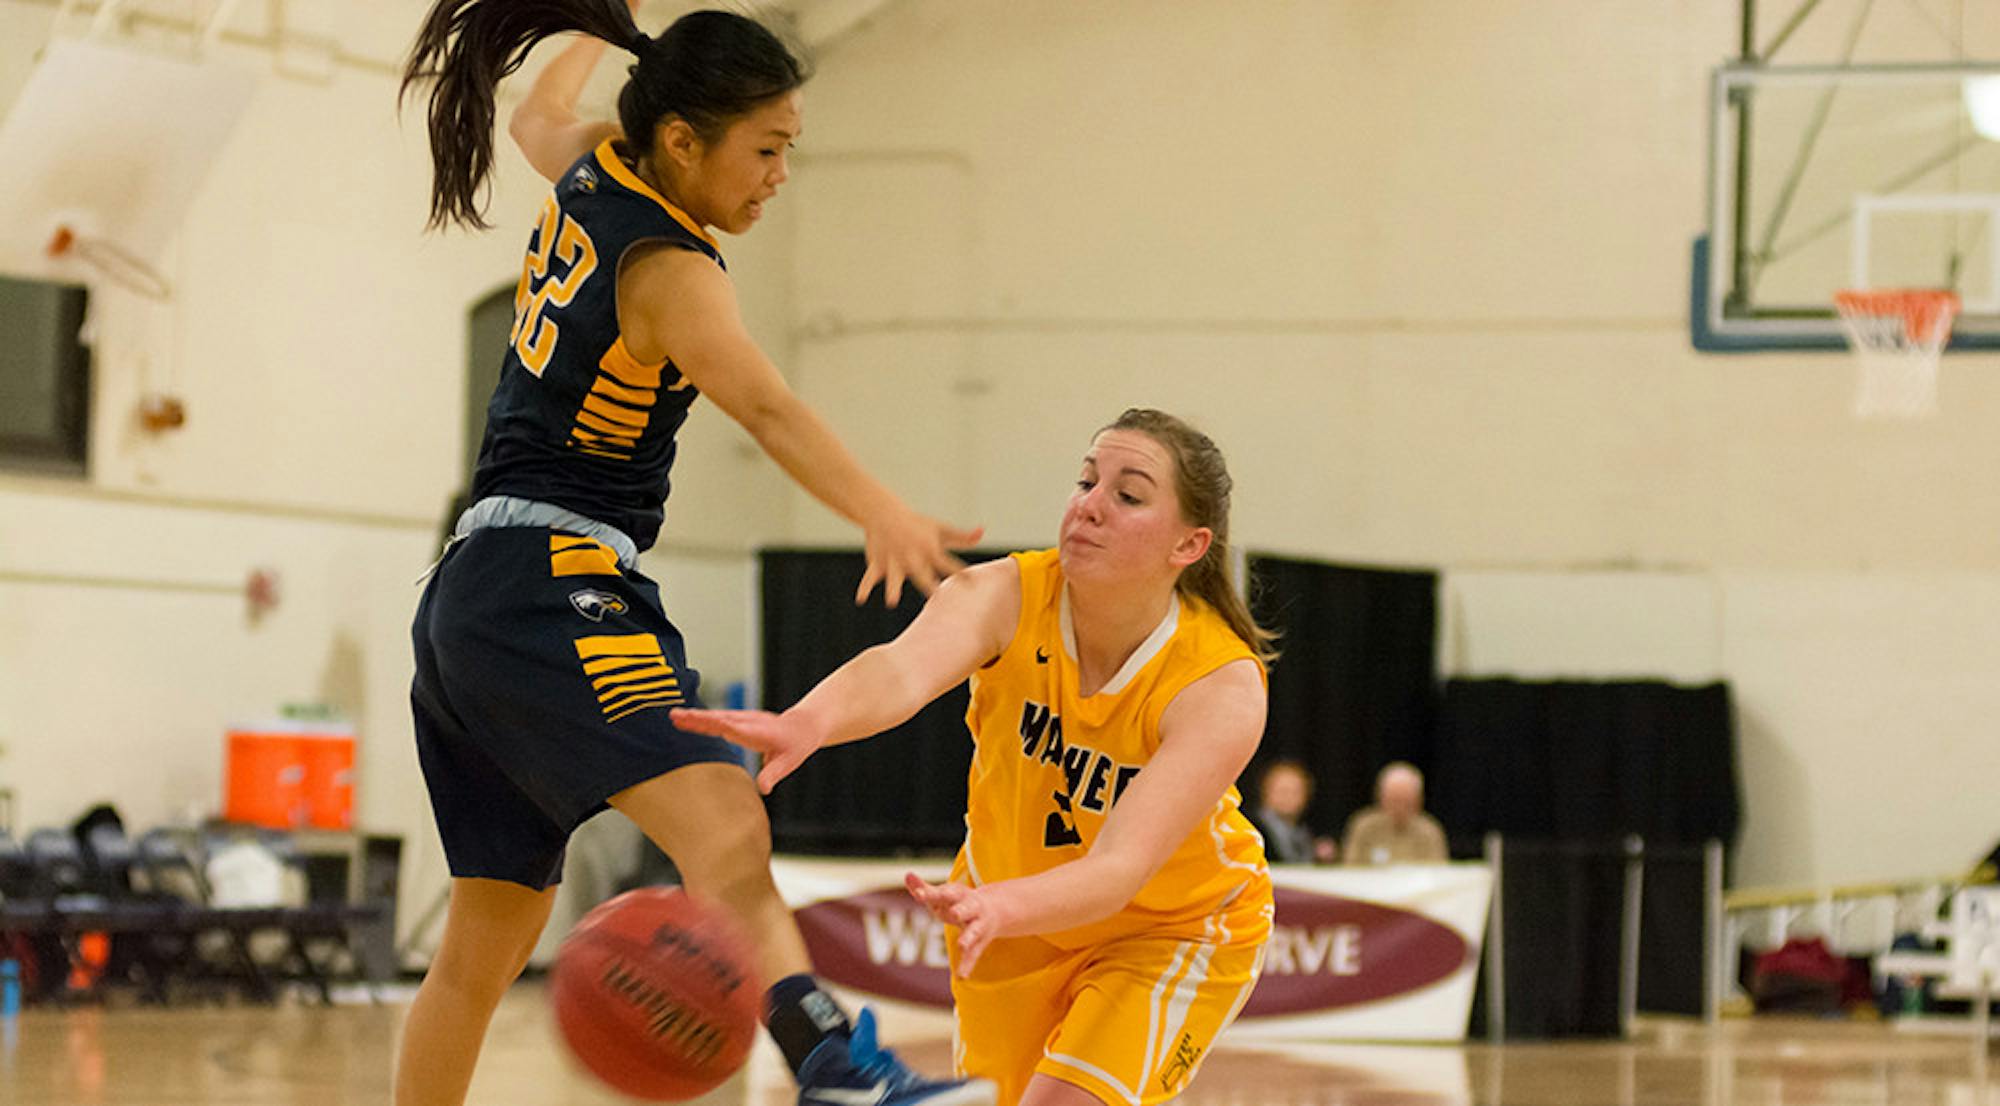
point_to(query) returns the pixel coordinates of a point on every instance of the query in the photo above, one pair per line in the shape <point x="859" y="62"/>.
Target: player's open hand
<point x="967" y="908"/>
<point x="908" y="546"/>
<point x="784" y="740"/>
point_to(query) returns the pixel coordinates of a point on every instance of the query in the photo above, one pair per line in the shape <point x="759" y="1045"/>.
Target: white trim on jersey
<point x="1154" y="1008"/>
<point x="971" y="865"/>
<point x="1089" y="1068"/>
<point x="1143" y="655"/>
<point x="1182" y="1000"/>
<point x="1219" y="831"/>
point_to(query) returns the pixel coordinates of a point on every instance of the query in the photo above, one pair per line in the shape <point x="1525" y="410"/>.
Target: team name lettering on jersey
<point x="1091" y="779"/>
<point x="1050" y="763"/>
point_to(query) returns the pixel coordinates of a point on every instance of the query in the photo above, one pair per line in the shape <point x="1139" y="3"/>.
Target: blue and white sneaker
<point x="860" y="1072"/>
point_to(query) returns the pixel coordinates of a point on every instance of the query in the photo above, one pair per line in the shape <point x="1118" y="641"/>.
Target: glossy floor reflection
<point x="301" y="1055"/>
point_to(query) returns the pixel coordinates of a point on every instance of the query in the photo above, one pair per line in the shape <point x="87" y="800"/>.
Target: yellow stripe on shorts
<point x="629" y="673"/>
<point x="574" y="556"/>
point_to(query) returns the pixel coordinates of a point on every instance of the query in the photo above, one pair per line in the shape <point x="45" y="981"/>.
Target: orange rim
<point x="1926" y="312"/>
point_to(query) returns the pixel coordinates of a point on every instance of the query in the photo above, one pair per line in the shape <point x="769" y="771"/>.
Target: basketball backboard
<point x="1829" y="177"/>
<point x="112" y="141"/>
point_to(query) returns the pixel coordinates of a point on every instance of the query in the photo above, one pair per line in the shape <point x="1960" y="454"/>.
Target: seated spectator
<point x="1283" y="793"/>
<point x="1396" y="830"/>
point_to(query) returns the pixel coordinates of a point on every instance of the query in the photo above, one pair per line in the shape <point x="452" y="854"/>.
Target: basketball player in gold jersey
<point x="1110" y="905"/>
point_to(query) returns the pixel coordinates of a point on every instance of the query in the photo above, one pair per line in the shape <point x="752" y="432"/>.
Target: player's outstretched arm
<point x="967" y="623"/>
<point x="678" y="304"/>
<point x="1207" y="736"/>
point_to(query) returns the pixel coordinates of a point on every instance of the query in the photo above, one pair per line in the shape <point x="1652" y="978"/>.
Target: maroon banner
<point x="1326" y="952"/>
<point x="880" y="942"/>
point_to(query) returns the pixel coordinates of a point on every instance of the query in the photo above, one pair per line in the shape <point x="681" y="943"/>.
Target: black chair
<point x="14" y="871"/>
<point x="150" y="933"/>
<point x="57" y="873"/>
<point x="55" y="882"/>
<point x="21" y="910"/>
<point x="108" y="858"/>
<point x="166" y="864"/>
<point x="24" y="919"/>
<point x="319" y="934"/>
<point x="213" y="946"/>
<point x="84" y="892"/>
<point x="252" y="948"/>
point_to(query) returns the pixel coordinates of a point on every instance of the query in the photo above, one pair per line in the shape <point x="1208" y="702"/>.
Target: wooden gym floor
<point x="301" y="1055"/>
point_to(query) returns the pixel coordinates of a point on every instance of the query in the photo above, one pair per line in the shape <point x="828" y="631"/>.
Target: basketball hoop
<point x="1898" y="336"/>
<point x="114" y="263"/>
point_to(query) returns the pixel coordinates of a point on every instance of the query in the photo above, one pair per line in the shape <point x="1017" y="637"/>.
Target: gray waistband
<point x="500" y="511"/>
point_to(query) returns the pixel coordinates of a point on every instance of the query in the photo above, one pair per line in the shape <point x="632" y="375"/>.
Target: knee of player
<point x="729" y="860"/>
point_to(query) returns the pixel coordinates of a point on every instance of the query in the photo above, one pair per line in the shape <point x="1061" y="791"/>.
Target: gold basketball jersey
<point x="1049" y="764"/>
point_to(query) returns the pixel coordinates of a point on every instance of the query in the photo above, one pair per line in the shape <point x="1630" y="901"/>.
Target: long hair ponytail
<point x="466" y="47"/>
<point x="707" y="68"/>
<point x="1203" y="485"/>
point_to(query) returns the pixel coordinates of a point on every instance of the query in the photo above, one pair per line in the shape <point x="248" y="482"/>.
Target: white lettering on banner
<point x="1335" y="950"/>
<point x="1413" y="982"/>
<point x="904" y="937"/>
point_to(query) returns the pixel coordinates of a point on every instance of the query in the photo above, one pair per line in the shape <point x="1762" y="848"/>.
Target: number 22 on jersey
<point x="559" y="241"/>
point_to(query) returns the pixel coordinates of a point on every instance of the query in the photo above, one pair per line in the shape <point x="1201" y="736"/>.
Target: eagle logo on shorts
<point x="594" y="605"/>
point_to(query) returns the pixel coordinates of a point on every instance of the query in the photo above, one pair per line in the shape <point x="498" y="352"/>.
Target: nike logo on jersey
<point x="847" y="1096"/>
<point x="594" y="605"/>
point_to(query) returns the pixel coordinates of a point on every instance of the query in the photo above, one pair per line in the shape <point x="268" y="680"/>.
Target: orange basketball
<point x="655" y="993"/>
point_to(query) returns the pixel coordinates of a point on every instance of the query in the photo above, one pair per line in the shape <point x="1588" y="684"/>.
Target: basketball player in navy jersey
<point x="545" y="662"/>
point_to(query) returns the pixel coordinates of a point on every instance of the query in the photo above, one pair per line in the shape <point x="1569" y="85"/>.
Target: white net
<point x="1898" y="336"/>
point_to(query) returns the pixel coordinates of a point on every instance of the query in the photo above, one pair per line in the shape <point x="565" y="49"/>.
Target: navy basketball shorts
<point x="544" y="678"/>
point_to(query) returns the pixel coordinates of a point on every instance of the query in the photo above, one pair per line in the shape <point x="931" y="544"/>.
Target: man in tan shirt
<point x="1395" y="830"/>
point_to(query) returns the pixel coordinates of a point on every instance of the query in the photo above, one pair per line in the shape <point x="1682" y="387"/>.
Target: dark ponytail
<point x="708" y="68"/>
<point x="466" y="47"/>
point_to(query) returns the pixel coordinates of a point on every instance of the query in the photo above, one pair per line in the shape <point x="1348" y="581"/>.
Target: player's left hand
<point x="784" y="742"/>
<point x="955" y="904"/>
<point x="904" y="546"/>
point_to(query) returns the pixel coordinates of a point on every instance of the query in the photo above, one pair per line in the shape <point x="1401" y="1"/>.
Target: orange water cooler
<point x="290" y="775"/>
<point x="329" y="780"/>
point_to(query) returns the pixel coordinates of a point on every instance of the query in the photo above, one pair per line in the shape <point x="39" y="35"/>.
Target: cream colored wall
<point x="321" y="440"/>
<point x="127" y="649"/>
<point x="1422" y="269"/>
<point x="318" y="341"/>
<point x="1419" y="266"/>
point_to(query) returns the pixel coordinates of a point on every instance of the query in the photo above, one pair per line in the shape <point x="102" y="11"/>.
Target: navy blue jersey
<point x="577" y="421"/>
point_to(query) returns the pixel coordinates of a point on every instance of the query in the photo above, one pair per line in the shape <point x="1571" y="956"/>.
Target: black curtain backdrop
<point x="1565" y="770"/>
<point x="1564" y="908"/>
<point x="899" y="792"/>
<point x="1670" y="931"/>
<point x="1355" y="686"/>
<point x="1584" y="761"/>
<point x="1562" y="902"/>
